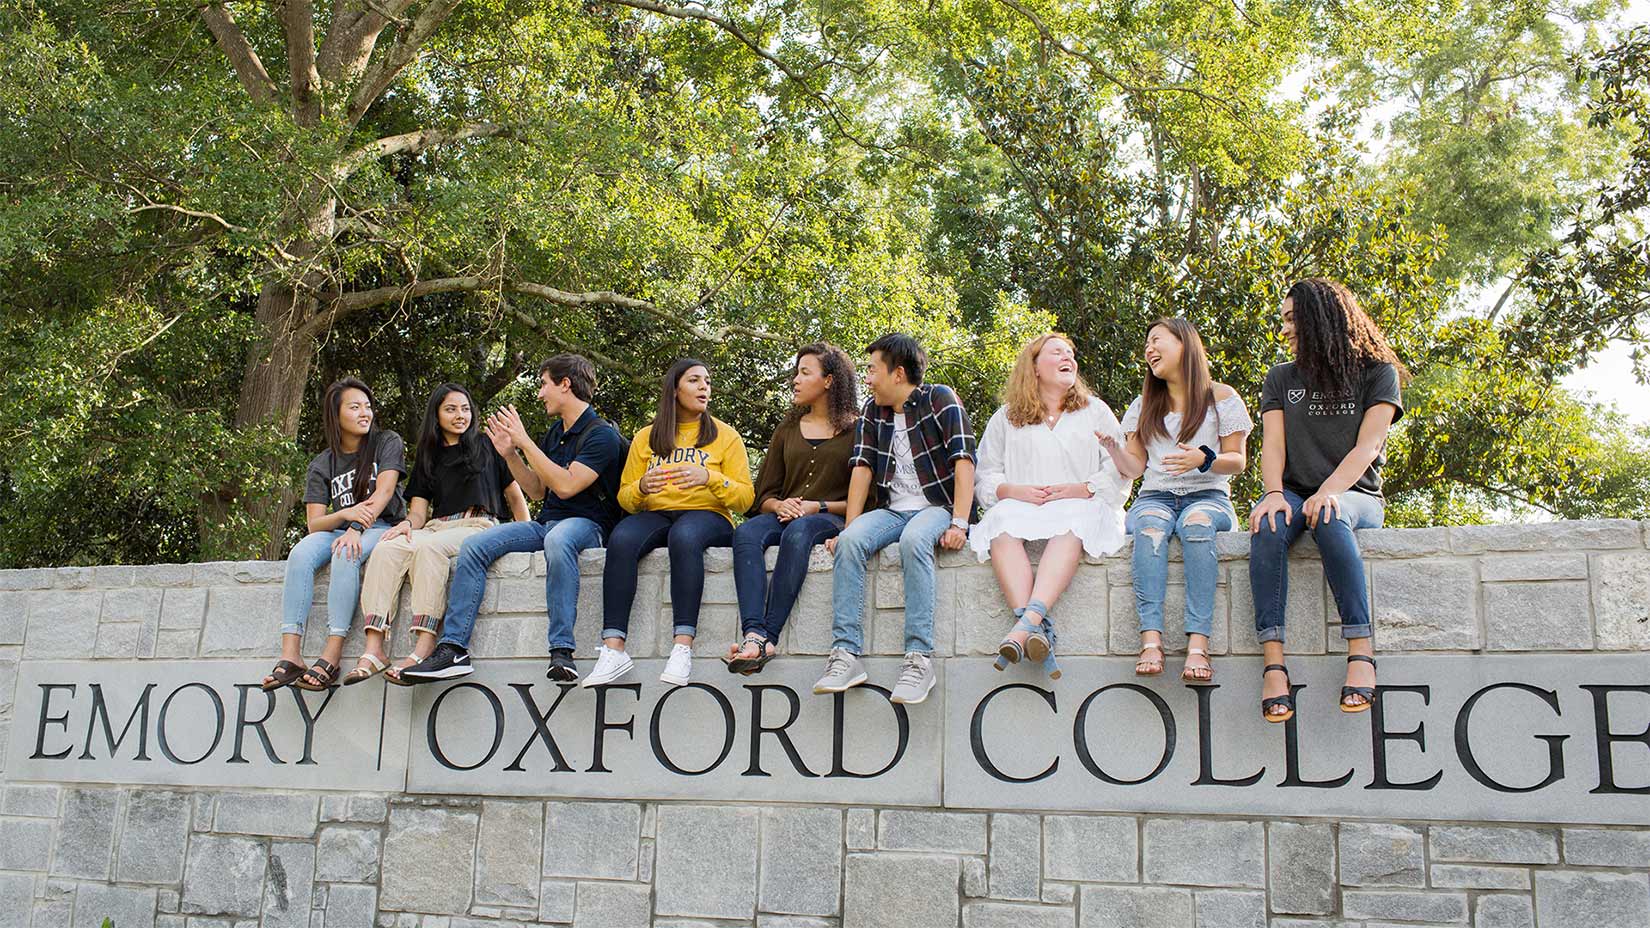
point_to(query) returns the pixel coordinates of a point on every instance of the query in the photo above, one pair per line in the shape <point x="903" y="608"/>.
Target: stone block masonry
<point x="815" y="842"/>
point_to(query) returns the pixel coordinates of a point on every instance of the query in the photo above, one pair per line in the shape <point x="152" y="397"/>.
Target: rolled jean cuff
<point x="690" y="630"/>
<point x="291" y="629"/>
<point x="1269" y="633"/>
<point x="1355" y="631"/>
<point x="615" y="633"/>
<point x="1150" y="625"/>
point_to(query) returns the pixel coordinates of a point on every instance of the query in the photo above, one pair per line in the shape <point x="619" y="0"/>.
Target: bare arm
<point x="517" y="502"/>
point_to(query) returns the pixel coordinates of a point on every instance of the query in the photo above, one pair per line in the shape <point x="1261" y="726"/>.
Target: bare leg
<point x="1054" y="571"/>
<point x="1013" y="569"/>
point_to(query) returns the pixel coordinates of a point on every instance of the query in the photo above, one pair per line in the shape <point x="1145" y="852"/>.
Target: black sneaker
<point x="448" y="661"/>
<point x="562" y="669"/>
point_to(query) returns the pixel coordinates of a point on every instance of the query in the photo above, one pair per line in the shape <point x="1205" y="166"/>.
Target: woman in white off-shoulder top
<point x="1043" y="473"/>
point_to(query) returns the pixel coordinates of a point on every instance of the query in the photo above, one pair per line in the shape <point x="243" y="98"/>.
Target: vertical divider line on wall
<point x="383" y="713"/>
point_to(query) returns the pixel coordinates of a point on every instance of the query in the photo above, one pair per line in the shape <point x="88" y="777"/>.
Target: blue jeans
<point x="561" y="541"/>
<point x="1155" y="516"/>
<point x="764" y="607"/>
<point x="917" y="532"/>
<point x="1342" y="565"/>
<point x="687" y="533"/>
<point x="311" y="554"/>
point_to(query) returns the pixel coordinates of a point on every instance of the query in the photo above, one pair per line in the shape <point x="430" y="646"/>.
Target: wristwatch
<point x="823" y="508"/>
<point x="960" y="523"/>
<point x="1208" y="458"/>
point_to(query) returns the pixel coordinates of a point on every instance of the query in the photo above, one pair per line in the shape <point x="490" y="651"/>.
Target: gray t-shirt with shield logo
<point x="1320" y="428"/>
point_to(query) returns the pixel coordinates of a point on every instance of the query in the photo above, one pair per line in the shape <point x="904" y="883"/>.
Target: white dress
<point x="1037" y="454"/>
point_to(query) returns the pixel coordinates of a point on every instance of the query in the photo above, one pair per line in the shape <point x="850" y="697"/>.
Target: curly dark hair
<point x="842" y="402"/>
<point x="1337" y="338"/>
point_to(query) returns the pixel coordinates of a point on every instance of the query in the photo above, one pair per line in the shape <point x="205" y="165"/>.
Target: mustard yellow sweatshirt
<point x="728" y="491"/>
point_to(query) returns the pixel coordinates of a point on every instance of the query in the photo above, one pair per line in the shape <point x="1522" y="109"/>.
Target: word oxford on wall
<point x="1506" y="738"/>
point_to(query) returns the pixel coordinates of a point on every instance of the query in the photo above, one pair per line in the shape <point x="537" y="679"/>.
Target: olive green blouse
<point x="795" y="467"/>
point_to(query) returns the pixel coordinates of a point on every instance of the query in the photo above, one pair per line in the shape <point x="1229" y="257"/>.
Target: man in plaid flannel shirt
<point x="913" y="448"/>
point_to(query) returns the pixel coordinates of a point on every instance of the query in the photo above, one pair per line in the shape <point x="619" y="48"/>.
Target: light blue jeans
<point x="343" y="585"/>
<point x="1156" y="516"/>
<point x="561" y="540"/>
<point x="917" y="532"/>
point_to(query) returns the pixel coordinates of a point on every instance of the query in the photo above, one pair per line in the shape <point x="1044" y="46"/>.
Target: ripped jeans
<point x="1195" y="518"/>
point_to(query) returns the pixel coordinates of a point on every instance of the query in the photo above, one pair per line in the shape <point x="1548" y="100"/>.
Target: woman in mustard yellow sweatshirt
<point x="686" y="475"/>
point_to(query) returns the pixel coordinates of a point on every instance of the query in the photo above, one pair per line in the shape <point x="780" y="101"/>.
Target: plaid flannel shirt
<point x="937" y="426"/>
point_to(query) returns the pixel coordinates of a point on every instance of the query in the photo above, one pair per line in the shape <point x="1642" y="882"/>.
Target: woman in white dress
<point x="1044" y="474"/>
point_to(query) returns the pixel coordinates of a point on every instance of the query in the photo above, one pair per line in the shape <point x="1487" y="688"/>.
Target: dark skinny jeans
<point x="763" y="606"/>
<point x="687" y="533"/>
<point x="1342" y="564"/>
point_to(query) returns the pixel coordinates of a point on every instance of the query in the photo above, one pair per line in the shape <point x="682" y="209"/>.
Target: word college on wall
<point x="1508" y="738"/>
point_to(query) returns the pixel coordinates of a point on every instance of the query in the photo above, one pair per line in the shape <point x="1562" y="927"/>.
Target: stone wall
<point x="147" y="855"/>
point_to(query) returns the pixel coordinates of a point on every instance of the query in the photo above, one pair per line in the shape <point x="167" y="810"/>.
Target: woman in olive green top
<point x="801" y="498"/>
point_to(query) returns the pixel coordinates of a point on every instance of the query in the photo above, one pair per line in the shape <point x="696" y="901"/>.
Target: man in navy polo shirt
<point x="575" y="470"/>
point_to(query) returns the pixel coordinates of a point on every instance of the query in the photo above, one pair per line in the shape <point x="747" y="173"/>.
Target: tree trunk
<point x="273" y="390"/>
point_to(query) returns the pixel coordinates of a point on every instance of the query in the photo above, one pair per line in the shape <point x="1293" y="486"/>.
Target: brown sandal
<point x="323" y="670"/>
<point x="284" y="673"/>
<point x="1199" y="676"/>
<point x="1149" y="662"/>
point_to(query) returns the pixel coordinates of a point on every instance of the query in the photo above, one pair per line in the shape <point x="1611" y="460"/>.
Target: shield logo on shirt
<point x="1297" y="395"/>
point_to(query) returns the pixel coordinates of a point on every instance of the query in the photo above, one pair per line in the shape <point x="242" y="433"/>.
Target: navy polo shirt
<point x="603" y="452"/>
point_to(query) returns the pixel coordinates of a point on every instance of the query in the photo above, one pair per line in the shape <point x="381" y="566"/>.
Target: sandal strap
<point x="378" y="665"/>
<point x="1152" y="647"/>
<point x="1361" y="657"/>
<point x="1367" y="692"/>
<point x="1021" y="625"/>
<point x="1199" y="651"/>
<point x="1271" y="667"/>
<point x="1288" y="702"/>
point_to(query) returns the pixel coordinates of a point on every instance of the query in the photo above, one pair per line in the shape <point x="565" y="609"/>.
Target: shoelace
<point x="911" y="673"/>
<point x="838" y="663"/>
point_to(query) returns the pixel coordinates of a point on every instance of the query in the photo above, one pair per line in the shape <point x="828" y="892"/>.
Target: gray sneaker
<point x="916" y="678"/>
<point x="843" y="672"/>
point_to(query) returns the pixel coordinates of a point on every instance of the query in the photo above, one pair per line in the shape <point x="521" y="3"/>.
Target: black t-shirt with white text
<point x="331" y="477"/>
<point x="1320" y="429"/>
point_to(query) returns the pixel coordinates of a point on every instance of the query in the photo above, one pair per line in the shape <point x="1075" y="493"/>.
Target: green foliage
<point x="972" y="171"/>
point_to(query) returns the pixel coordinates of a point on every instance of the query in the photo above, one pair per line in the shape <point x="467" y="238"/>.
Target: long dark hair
<point x="842" y="396"/>
<point x="1155" y="402"/>
<point x="1337" y="338"/>
<point x="430" y="439"/>
<point x="662" y="440"/>
<point x="332" y="426"/>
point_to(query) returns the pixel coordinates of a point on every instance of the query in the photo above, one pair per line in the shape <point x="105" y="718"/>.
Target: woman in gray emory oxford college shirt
<point x="351" y="497"/>
<point x="1324" y="421"/>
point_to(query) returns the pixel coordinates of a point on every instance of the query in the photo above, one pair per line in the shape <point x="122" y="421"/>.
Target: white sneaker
<point x="679" y="669"/>
<point x="610" y="666"/>
<point x="916" y="679"/>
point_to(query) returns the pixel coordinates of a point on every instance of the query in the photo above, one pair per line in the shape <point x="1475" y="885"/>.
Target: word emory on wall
<point x="1517" y="738"/>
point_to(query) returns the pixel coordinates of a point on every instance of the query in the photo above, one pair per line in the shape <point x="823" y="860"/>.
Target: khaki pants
<point x="426" y="555"/>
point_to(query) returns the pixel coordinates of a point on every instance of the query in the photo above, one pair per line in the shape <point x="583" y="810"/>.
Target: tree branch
<point x="795" y="76"/>
<point x="298" y="22"/>
<point x="378" y="75"/>
<point x="410" y="142"/>
<point x="248" y="68"/>
<point x="344" y="304"/>
<point x="1112" y="77"/>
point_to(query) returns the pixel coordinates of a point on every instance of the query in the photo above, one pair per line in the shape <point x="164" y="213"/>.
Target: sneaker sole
<point x="445" y="673"/>
<point x="594" y="680"/>
<point x="673" y="679"/>
<point x="562" y="675"/>
<point x="824" y="690"/>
